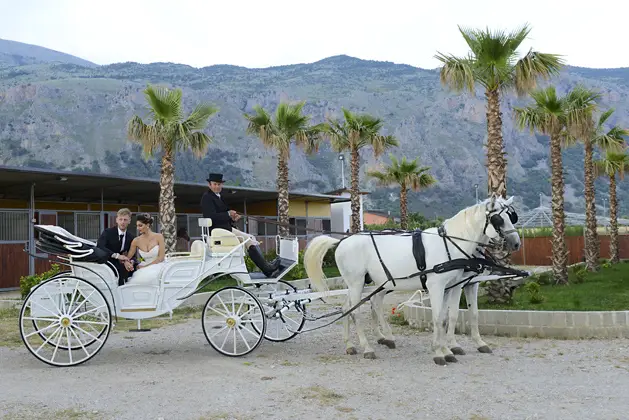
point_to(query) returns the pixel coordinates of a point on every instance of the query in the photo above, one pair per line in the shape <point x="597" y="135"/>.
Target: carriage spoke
<point x="85" y="332"/>
<point x="86" y="299"/>
<point x="48" y="339"/>
<point x="69" y="345"/>
<point x="80" y="342"/>
<point x="32" y="318"/>
<point x="91" y="310"/>
<point x="43" y="329"/>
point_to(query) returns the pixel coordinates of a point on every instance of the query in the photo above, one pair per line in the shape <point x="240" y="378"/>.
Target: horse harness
<point x="469" y="264"/>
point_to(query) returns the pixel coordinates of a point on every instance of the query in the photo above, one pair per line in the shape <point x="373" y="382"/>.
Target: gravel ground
<point x="148" y="376"/>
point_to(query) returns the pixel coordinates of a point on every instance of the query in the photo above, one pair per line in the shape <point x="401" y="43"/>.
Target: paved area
<point x="173" y="373"/>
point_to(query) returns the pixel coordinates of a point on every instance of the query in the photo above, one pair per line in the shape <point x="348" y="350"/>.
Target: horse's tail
<point x="313" y="260"/>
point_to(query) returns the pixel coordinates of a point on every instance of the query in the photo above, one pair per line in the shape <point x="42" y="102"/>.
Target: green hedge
<point x="28" y="282"/>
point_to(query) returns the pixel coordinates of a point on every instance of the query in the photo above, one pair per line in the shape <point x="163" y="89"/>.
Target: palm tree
<point x="171" y="132"/>
<point x="354" y="134"/>
<point x="613" y="163"/>
<point x="289" y="125"/>
<point x="492" y="64"/>
<point x="561" y="118"/>
<point x="611" y="140"/>
<point x="406" y="175"/>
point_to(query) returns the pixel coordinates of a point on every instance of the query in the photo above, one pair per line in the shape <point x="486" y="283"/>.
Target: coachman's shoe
<point x="257" y="257"/>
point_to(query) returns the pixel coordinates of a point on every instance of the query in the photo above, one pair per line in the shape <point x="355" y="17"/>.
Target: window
<point x="194" y="231"/>
<point x="13" y="226"/>
<point x="66" y="221"/>
<point x="327" y="225"/>
<point x="182" y="222"/>
<point x="88" y="226"/>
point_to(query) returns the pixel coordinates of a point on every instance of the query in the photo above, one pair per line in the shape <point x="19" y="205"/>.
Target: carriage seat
<point x="222" y="241"/>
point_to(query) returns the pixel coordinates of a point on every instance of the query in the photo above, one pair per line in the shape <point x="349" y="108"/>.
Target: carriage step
<point x="139" y="329"/>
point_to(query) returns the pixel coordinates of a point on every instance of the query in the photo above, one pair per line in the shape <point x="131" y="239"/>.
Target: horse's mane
<point x="462" y="224"/>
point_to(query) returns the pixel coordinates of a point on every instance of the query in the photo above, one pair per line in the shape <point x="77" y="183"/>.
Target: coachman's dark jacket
<point x="213" y="207"/>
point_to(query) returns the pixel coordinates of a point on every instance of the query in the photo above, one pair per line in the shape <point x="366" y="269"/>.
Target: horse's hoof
<point x="458" y="350"/>
<point x="389" y="343"/>
<point x="440" y="361"/>
<point x="351" y="350"/>
<point x="369" y="355"/>
<point x="484" y="349"/>
<point x="450" y="358"/>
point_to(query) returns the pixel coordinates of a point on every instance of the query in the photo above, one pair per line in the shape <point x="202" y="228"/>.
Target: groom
<point x="214" y="207"/>
<point x="116" y="241"/>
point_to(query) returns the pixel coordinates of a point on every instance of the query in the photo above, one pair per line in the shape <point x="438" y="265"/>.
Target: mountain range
<point x="63" y="112"/>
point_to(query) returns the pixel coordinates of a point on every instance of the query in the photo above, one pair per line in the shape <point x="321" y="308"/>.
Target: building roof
<point x="15" y="183"/>
<point x="340" y="191"/>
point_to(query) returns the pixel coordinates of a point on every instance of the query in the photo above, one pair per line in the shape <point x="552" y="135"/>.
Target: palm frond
<point x="143" y="134"/>
<point x="457" y="73"/>
<point x="532" y="66"/>
<point x="164" y="104"/>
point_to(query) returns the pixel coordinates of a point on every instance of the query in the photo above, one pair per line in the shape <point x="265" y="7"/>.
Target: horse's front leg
<point x="438" y="310"/>
<point x="448" y="325"/>
<point x="454" y="297"/>
<point x="471" y="297"/>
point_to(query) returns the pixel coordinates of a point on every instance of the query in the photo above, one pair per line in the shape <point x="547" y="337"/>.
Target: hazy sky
<point x="277" y="32"/>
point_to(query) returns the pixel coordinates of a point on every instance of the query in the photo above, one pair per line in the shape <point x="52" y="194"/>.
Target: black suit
<point x="216" y="209"/>
<point x="110" y="242"/>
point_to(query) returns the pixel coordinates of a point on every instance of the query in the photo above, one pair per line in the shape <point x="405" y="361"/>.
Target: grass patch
<point x="323" y="396"/>
<point x="181" y="314"/>
<point x="67" y="414"/>
<point x="10" y="328"/>
<point x="605" y="290"/>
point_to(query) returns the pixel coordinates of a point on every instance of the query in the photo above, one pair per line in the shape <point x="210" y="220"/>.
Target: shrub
<point x="580" y="274"/>
<point x="28" y="282"/>
<point x="533" y="289"/>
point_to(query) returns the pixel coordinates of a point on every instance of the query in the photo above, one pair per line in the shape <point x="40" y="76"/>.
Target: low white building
<point x="341" y="213"/>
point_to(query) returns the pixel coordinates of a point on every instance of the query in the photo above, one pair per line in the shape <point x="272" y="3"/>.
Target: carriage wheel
<point x="233" y="321"/>
<point x="278" y="325"/>
<point x="61" y="318"/>
<point x="96" y="330"/>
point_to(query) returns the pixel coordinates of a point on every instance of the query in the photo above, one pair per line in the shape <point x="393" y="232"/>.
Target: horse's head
<point x="500" y="217"/>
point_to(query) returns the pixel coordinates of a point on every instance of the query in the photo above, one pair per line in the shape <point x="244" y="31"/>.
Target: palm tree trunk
<point x="403" y="208"/>
<point x="354" y="192"/>
<point x="167" y="213"/>
<point x="591" y="238"/>
<point x="282" y="193"/>
<point x="613" y="216"/>
<point x="560" y="257"/>
<point x="496" y="162"/>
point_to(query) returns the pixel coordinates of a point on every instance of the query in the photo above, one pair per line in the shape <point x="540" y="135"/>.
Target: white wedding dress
<point x="147" y="275"/>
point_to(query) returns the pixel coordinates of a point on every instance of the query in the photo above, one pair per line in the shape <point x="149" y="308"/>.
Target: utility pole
<point x="342" y="159"/>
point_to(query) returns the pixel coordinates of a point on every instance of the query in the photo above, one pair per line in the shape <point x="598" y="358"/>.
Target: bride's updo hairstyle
<point x="145" y="219"/>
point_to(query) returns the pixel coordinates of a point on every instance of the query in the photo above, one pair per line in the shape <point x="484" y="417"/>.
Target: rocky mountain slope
<point x="73" y="116"/>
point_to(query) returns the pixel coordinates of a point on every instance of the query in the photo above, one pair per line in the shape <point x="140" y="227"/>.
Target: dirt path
<point x="172" y="373"/>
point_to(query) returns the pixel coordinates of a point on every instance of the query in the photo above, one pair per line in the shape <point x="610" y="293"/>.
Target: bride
<point x="150" y="246"/>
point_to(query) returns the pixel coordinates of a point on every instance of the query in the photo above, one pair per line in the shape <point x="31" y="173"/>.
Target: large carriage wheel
<point x="96" y="330"/>
<point x="278" y="324"/>
<point x="62" y="318"/>
<point x="233" y="321"/>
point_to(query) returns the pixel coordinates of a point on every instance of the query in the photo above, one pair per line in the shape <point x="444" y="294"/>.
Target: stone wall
<point x="544" y="324"/>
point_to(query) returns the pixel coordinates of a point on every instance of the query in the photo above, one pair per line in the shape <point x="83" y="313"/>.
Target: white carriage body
<point x="219" y="252"/>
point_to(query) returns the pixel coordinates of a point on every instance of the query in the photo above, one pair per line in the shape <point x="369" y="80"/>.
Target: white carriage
<point x="66" y="319"/>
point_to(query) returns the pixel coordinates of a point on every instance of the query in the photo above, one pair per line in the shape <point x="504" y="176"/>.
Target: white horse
<point x="357" y="256"/>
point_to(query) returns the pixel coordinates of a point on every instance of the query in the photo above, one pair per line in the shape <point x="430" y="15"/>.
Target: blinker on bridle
<point x="498" y="222"/>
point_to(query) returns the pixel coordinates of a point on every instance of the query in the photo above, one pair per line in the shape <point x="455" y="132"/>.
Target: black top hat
<point x="215" y="178"/>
